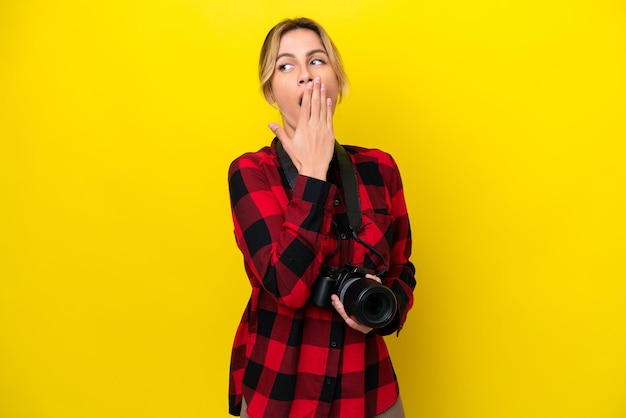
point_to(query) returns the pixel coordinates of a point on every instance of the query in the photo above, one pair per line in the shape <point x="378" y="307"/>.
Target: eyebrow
<point x="312" y="52"/>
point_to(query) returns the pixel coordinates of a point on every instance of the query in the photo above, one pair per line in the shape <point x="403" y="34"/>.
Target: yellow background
<point x="121" y="286"/>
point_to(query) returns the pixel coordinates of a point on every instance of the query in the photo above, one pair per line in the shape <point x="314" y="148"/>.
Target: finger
<point x="329" y="113"/>
<point x="374" y="277"/>
<point x="315" y="99"/>
<point x="278" y="131"/>
<point x="339" y="307"/>
<point x="350" y="321"/>
<point x="305" y="107"/>
<point x="323" y="102"/>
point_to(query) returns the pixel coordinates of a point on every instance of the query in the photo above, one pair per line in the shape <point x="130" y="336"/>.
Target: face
<point x="301" y="58"/>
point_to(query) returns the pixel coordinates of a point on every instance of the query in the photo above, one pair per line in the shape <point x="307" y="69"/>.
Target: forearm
<point x="283" y="246"/>
<point x="401" y="275"/>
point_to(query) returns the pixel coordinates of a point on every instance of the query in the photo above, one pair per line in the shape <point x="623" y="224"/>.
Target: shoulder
<point x="252" y="160"/>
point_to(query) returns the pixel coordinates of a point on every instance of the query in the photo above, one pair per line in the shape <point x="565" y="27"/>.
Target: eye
<point x="317" y="61"/>
<point x="285" y="67"/>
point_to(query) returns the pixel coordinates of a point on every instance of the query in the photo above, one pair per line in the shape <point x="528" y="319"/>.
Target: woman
<point x="291" y="357"/>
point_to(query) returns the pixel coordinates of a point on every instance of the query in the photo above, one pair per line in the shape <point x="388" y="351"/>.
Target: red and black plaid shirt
<point x="290" y="357"/>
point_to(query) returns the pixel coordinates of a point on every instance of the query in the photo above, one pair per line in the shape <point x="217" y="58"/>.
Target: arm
<point x="282" y="241"/>
<point x="401" y="275"/>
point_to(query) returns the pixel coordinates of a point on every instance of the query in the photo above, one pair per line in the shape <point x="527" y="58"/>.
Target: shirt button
<point x="333" y="344"/>
<point x="329" y="382"/>
<point x="336" y="202"/>
<point x="343" y="236"/>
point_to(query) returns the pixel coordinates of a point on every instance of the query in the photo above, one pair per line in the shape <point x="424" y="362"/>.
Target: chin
<point x="290" y="122"/>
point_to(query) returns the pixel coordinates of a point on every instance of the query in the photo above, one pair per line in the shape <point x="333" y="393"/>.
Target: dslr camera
<point x="371" y="303"/>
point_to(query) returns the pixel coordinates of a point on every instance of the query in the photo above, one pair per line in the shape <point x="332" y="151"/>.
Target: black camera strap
<point x="350" y="189"/>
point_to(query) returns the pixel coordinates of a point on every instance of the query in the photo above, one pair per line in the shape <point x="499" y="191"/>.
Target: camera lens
<point x="373" y="304"/>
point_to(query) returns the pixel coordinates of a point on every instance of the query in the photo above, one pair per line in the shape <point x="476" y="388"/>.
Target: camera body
<point x="371" y="303"/>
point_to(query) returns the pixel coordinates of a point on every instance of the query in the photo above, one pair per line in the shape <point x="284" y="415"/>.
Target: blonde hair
<point x="269" y="53"/>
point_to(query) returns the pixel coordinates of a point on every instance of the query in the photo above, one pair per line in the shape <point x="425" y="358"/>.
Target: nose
<point x="305" y="76"/>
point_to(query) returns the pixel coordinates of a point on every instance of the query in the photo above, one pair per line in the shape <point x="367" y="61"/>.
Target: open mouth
<point x="300" y="101"/>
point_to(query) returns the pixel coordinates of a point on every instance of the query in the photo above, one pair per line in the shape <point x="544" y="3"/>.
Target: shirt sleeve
<point x="400" y="277"/>
<point x="283" y="240"/>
